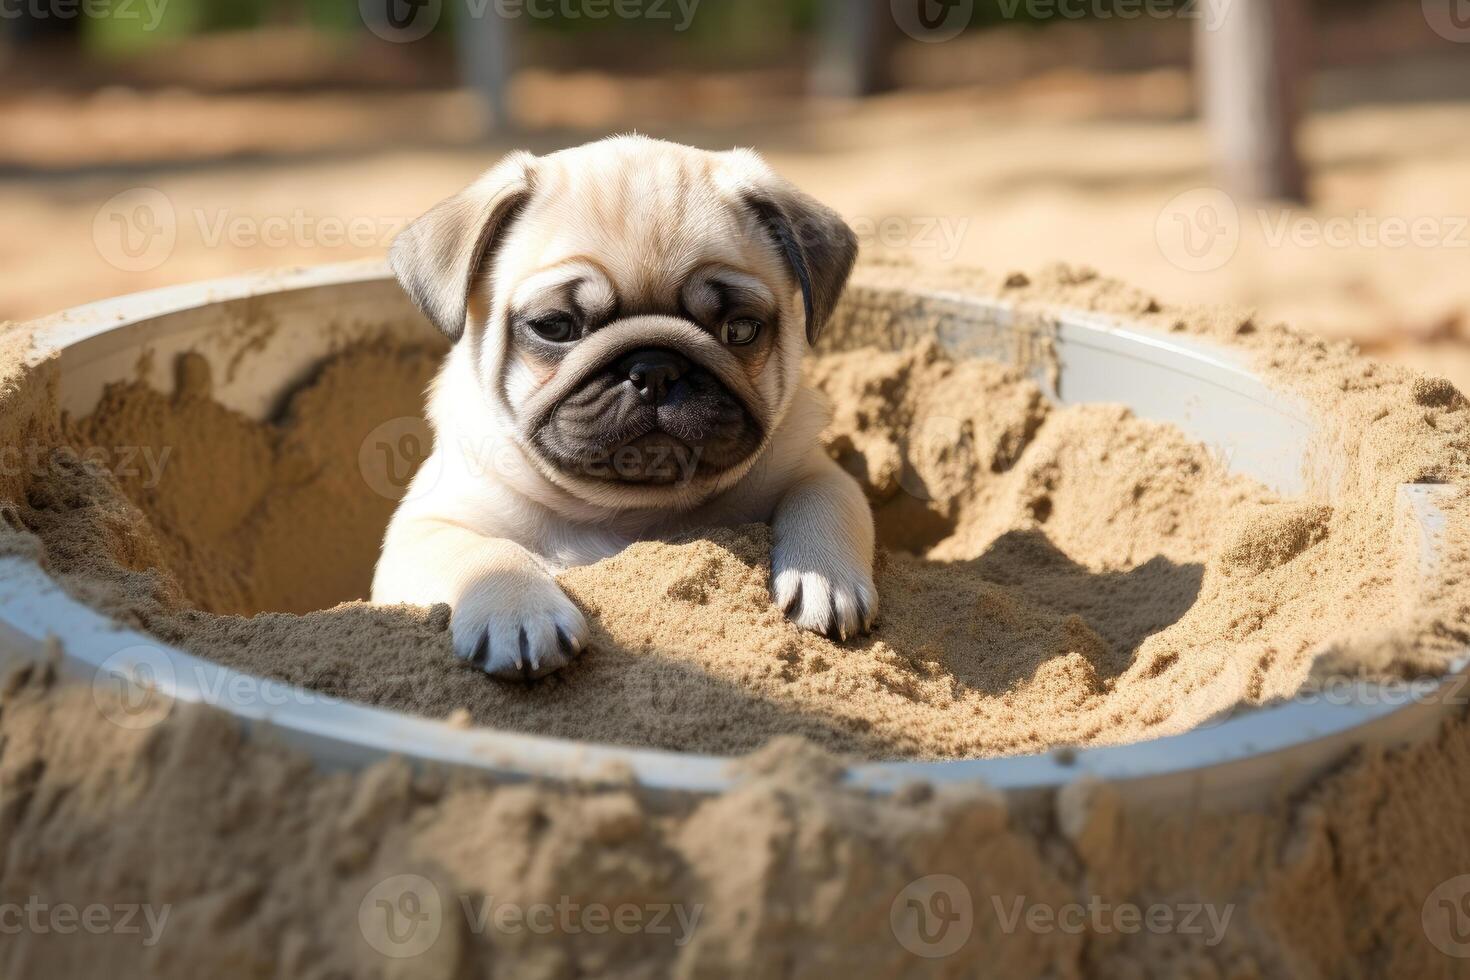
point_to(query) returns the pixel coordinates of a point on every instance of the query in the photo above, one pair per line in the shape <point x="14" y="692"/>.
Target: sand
<point x="1003" y="183"/>
<point x="252" y="863"/>
<point x="1050" y="577"/>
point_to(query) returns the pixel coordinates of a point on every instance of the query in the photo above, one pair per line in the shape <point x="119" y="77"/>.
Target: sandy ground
<point x="235" y="856"/>
<point x="199" y="837"/>
<point x="1049" y="576"/>
<point x="1105" y="171"/>
<point x="1358" y="875"/>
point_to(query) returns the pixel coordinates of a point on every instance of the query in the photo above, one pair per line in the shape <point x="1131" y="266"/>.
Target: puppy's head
<point x="637" y="310"/>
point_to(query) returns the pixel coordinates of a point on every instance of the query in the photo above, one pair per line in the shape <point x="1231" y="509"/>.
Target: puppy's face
<point x="636" y="310"/>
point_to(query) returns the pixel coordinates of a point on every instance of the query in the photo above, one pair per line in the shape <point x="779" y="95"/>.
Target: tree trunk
<point x="1252" y="56"/>
<point x="485" y="46"/>
<point x="855" y="48"/>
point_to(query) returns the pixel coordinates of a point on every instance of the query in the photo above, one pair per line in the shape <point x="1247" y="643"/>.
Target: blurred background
<point x="1308" y="160"/>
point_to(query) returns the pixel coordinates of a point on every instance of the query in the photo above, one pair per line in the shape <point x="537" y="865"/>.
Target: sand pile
<point x="246" y="861"/>
<point x="1050" y="576"/>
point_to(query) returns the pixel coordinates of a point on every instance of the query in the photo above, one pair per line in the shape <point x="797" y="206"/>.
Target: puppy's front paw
<point x="518" y="625"/>
<point x="829" y="596"/>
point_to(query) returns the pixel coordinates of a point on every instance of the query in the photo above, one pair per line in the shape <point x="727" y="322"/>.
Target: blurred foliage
<point x="738" y="24"/>
<point x="133" y="24"/>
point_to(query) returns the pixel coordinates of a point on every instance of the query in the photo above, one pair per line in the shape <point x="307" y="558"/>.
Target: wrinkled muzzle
<point x="650" y="410"/>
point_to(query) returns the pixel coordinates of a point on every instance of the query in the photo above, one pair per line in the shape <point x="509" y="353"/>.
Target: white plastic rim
<point x="265" y="333"/>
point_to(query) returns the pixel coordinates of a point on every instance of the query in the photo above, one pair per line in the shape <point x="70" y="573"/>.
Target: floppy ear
<point x="817" y="243"/>
<point x="439" y="256"/>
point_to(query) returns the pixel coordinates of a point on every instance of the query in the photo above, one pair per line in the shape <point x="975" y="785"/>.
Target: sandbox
<point x="132" y="375"/>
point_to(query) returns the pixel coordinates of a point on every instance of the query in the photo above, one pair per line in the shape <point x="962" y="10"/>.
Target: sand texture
<point x="259" y="865"/>
<point x="1050" y="577"/>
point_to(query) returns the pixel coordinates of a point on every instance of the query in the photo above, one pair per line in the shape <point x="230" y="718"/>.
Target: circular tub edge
<point x="1258" y="755"/>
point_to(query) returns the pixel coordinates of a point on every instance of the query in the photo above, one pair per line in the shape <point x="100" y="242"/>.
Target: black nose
<point x="653" y="371"/>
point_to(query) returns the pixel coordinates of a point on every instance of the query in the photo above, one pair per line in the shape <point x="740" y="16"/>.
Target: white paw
<point x="835" y="598"/>
<point x="518" y="626"/>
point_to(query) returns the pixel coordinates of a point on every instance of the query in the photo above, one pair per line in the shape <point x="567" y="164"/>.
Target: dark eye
<point x="737" y="333"/>
<point x="555" y="327"/>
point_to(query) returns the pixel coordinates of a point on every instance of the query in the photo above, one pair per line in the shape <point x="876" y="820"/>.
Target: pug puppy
<point x="629" y="320"/>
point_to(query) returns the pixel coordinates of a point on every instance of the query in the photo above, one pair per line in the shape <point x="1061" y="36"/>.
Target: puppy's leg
<point x="507" y="610"/>
<point x="822" y="559"/>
